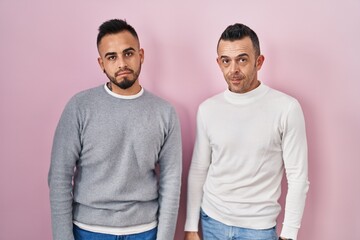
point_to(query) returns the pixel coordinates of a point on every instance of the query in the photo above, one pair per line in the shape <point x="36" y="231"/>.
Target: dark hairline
<point x="240" y="31"/>
<point x="115" y="26"/>
<point x="124" y="30"/>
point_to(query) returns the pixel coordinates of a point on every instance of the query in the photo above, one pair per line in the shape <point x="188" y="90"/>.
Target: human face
<point x="239" y="64"/>
<point x="120" y="59"/>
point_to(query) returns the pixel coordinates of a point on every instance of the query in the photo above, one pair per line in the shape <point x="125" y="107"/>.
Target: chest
<point x="244" y="128"/>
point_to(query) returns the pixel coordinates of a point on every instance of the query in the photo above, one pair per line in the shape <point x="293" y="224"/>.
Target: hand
<point x="191" y="236"/>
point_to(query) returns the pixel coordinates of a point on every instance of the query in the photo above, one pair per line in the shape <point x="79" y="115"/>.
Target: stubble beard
<point x="236" y="88"/>
<point x="246" y="81"/>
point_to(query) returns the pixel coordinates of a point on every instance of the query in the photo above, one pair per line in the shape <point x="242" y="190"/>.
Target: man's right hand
<point x="191" y="236"/>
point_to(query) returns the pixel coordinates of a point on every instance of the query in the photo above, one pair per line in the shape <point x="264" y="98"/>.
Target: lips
<point x="123" y="73"/>
<point x="236" y="80"/>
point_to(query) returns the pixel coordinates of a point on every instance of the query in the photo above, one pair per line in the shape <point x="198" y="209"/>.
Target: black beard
<point x="125" y="83"/>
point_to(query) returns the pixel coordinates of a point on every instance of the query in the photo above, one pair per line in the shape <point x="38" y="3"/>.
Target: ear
<point x="218" y="60"/>
<point x="101" y="64"/>
<point x="259" y="62"/>
<point x="142" y="55"/>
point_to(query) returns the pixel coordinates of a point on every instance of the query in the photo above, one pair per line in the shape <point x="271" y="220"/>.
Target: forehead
<point x="118" y="42"/>
<point x="234" y="48"/>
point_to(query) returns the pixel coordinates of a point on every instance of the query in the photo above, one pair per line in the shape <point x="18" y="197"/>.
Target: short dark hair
<point x="239" y="31"/>
<point x="114" y="26"/>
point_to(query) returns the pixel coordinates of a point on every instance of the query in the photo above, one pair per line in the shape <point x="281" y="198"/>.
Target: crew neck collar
<point x="124" y="96"/>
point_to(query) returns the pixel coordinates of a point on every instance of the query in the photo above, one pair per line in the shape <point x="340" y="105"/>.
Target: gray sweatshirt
<point x="103" y="162"/>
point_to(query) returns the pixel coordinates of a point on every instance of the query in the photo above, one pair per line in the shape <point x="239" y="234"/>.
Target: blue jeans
<point x="215" y="230"/>
<point x="81" y="234"/>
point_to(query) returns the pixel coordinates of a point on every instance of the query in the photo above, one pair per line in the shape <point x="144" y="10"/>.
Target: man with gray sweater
<point x="109" y="140"/>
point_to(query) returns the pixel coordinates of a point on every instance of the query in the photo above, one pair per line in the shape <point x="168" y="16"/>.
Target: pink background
<point x="48" y="53"/>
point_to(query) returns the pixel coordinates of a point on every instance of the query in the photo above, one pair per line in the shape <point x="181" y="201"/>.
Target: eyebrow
<point x="128" y="49"/>
<point x="124" y="51"/>
<point x="240" y="55"/>
<point x="110" y="54"/>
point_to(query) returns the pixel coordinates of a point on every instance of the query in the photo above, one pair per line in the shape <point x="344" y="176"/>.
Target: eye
<point x="225" y="61"/>
<point x="128" y="54"/>
<point x="111" y="57"/>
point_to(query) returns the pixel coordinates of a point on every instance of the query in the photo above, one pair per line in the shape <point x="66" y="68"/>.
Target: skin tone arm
<point x="192" y="236"/>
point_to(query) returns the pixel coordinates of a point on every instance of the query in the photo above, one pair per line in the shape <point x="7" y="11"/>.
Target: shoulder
<point x="212" y="101"/>
<point x="160" y="109"/>
<point x="156" y="101"/>
<point x="280" y="98"/>
<point x="82" y="100"/>
<point x="211" y="108"/>
<point x="89" y="93"/>
<point x="286" y="104"/>
<point x="86" y="96"/>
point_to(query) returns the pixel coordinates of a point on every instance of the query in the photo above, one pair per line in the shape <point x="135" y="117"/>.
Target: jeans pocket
<point x="203" y="215"/>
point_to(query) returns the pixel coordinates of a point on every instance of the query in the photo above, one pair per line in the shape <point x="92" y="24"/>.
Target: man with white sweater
<point x="107" y="146"/>
<point x="246" y="137"/>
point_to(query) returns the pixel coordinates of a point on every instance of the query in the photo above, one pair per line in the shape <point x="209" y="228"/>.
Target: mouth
<point x="123" y="73"/>
<point x="236" y="80"/>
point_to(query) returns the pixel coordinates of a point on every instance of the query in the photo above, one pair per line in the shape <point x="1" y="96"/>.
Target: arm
<point x="170" y="162"/>
<point x="65" y="152"/>
<point x="197" y="175"/>
<point x="192" y="236"/>
<point x="296" y="166"/>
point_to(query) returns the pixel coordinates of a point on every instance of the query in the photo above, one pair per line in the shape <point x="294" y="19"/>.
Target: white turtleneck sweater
<point x="243" y="143"/>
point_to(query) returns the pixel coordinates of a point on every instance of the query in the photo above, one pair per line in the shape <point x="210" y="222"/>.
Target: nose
<point x="234" y="67"/>
<point x="121" y="62"/>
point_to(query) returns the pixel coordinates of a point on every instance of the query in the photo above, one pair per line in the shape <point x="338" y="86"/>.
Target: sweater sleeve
<point x="296" y="166"/>
<point x="170" y="162"/>
<point x="197" y="175"/>
<point x="65" y="152"/>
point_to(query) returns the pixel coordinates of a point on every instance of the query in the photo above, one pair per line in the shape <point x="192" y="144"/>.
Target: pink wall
<point x="48" y="53"/>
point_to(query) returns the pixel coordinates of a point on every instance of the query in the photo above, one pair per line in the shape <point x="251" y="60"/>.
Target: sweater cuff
<point x="289" y="232"/>
<point x="191" y="226"/>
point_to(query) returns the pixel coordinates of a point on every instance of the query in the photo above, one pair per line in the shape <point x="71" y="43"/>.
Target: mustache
<point x="237" y="76"/>
<point x="123" y="70"/>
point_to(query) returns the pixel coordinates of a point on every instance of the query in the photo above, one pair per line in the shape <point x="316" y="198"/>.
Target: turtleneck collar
<point x="248" y="97"/>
